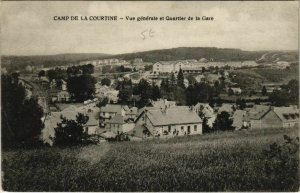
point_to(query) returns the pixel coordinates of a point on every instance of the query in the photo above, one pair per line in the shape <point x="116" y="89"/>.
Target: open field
<point x="230" y="161"/>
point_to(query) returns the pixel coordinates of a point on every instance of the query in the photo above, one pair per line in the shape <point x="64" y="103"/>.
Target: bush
<point x="281" y="164"/>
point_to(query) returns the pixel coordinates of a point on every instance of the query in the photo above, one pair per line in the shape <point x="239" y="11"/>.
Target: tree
<point x="124" y="96"/>
<point x="199" y="92"/>
<point x="145" y="92"/>
<point x="155" y="92"/>
<point x="42" y="73"/>
<point x="103" y="102"/>
<point x="191" y="79"/>
<point x="148" y="67"/>
<point x="264" y="91"/>
<point x="223" y="122"/>
<point x="205" y="126"/>
<point x="56" y="74"/>
<point x="106" y="81"/>
<point x="21" y="118"/>
<point x="241" y="103"/>
<point x="81" y="87"/>
<point x="293" y="89"/>
<point x="87" y="69"/>
<point x="70" y="132"/>
<point x="172" y="80"/>
<point x="279" y="97"/>
<point x="230" y="92"/>
<point x="180" y="79"/>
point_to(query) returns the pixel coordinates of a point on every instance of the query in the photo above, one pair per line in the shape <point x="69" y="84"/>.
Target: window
<point x="182" y="128"/>
<point x="189" y="129"/>
<point x="169" y="128"/>
<point x="195" y="127"/>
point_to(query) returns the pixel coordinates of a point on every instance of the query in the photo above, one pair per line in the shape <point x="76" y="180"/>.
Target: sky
<point x="29" y="28"/>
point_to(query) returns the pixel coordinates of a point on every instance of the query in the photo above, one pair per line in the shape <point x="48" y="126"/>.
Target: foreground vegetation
<point x="225" y="161"/>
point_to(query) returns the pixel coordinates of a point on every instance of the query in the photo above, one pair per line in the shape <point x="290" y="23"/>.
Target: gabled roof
<point x="112" y="108"/>
<point x="118" y="119"/>
<point x="258" y="111"/>
<point x="172" y="116"/>
<point x="207" y="109"/>
<point x="226" y="107"/>
<point x="238" y="118"/>
<point x="287" y="114"/>
<point x="93" y="119"/>
<point x="132" y="111"/>
<point x="70" y="108"/>
<point x="137" y="131"/>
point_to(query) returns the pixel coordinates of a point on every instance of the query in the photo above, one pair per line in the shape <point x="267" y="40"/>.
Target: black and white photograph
<point x="149" y="96"/>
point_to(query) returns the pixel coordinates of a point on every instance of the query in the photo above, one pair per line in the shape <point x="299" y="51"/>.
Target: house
<point x="131" y="113"/>
<point x="52" y="119"/>
<point x="254" y="115"/>
<point x="212" y="78"/>
<point x="139" y="132"/>
<point x="207" y="111"/>
<point x="165" y="67"/>
<point x="204" y="60"/>
<point x="138" y="60"/>
<point x="60" y="96"/>
<point x="270" y="87"/>
<point x="229" y="108"/>
<point x="236" y="91"/>
<point x="170" y="121"/>
<point x="276" y="117"/>
<point x="239" y="119"/>
<point x="200" y="78"/>
<point x="118" y="124"/>
<point x="192" y="69"/>
<point x="109" y="111"/>
<point x="288" y="116"/>
<point x="106" y="92"/>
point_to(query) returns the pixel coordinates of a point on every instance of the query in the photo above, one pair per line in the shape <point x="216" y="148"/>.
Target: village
<point x="117" y="110"/>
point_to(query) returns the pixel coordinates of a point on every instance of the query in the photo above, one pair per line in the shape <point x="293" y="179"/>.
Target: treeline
<point x="114" y="69"/>
<point x="14" y="63"/>
<point x="58" y="73"/>
<point x="287" y="95"/>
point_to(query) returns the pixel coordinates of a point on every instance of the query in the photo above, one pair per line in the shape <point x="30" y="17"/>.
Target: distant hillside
<point x="20" y="62"/>
<point x="275" y="56"/>
<point x="183" y="53"/>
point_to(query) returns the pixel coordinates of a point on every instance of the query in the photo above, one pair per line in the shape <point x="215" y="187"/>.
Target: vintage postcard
<point x="161" y="96"/>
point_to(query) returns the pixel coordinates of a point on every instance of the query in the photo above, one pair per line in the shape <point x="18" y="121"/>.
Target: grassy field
<point x="230" y="161"/>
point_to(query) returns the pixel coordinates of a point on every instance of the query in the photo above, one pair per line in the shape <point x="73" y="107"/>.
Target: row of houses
<point x="264" y="117"/>
<point x="163" y="118"/>
<point x="110" y="61"/>
<point x="164" y="67"/>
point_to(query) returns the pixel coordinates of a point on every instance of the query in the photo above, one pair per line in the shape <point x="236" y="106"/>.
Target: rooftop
<point x="172" y="116"/>
<point x="287" y="114"/>
<point x="113" y="108"/>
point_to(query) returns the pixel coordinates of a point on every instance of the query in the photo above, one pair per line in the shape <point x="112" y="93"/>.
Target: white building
<point x="171" y="121"/>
